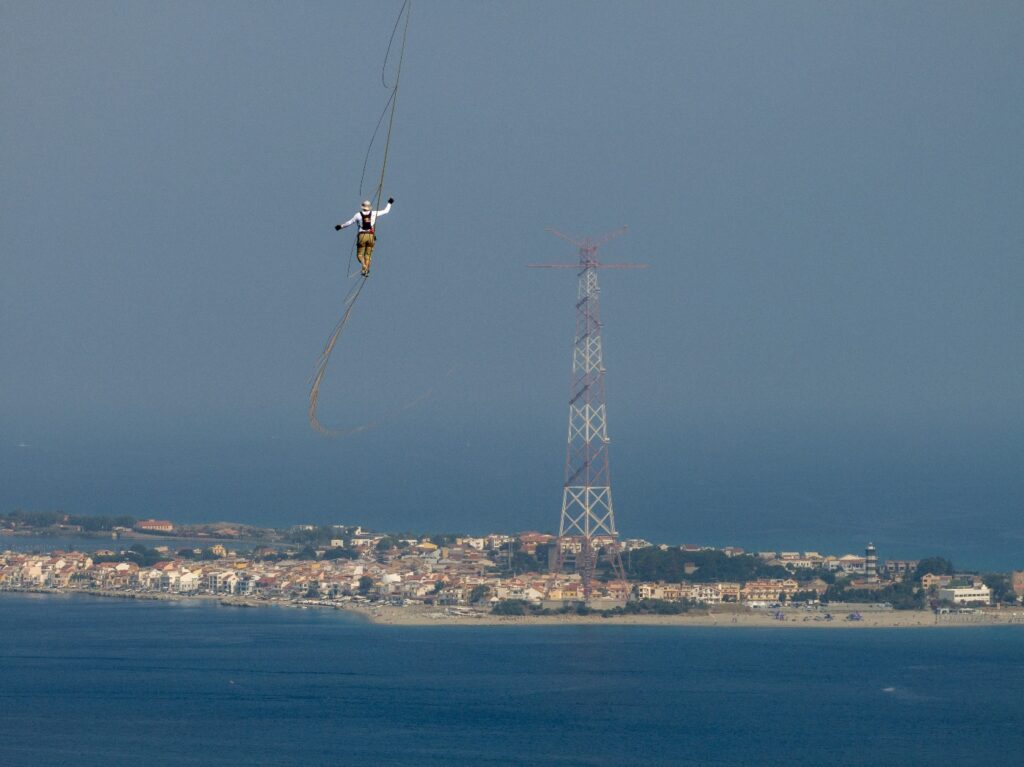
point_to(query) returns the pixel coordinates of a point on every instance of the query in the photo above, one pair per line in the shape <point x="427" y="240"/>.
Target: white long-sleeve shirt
<point x="373" y="216"/>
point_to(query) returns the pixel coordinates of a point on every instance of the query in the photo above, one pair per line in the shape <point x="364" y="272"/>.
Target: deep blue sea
<point x="46" y="543"/>
<point x="88" y="681"/>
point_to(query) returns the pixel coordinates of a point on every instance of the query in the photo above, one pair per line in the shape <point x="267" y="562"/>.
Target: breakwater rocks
<point x="236" y="603"/>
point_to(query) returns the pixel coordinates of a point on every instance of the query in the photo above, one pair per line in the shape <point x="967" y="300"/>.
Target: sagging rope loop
<point x="354" y="293"/>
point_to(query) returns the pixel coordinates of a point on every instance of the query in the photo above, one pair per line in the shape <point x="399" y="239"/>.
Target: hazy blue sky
<point x="826" y="349"/>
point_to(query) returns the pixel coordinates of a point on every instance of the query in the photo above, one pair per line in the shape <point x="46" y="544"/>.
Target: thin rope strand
<point x="366" y="157"/>
<point x="394" y="101"/>
<point x="387" y="53"/>
<point x="356" y="291"/>
<point x="325" y="357"/>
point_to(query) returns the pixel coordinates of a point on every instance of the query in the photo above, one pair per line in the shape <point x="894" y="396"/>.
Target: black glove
<point x="391" y="200"/>
<point x="337" y="227"/>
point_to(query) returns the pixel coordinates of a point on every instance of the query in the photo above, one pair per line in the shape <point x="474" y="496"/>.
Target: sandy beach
<point x="741" y="618"/>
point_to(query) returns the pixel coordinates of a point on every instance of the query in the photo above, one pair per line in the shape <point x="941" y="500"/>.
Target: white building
<point x="970" y="595"/>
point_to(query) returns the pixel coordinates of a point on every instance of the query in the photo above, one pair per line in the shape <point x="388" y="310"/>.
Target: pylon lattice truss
<point x="588" y="516"/>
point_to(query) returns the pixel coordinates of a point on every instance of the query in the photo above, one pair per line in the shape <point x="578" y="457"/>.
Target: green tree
<point x="935" y="566"/>
<point x="34" y="519"/>
<point x="479" y="593"/>
<point x="655" y="607"/>
<point x="1001" y="587"/>
<point x="340" y="553"/>
<point x="512" y="607"/>
<point x="365" y="584"/>
<point x="100" y="523"/>
<point x="443" y="539"/>
<point x="654" y="564"/>
<point x="140" y="555"/>
<point x="305" y="553"/>
<point x="902" y="596"/>
<point x="525" y="563"/>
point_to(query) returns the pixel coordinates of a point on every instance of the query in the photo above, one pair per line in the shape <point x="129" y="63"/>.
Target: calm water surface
<point x="88" y="681"/>
<point x="46" y="543"/>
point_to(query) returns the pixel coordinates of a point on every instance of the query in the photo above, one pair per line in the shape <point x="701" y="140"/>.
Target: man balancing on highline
<point x="366" y="217"/>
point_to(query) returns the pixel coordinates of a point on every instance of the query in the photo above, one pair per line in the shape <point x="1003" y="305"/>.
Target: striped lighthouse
<point x="871" y="564"/>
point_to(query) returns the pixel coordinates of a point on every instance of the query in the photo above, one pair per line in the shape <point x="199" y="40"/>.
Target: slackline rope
<point x="356" y="290"/>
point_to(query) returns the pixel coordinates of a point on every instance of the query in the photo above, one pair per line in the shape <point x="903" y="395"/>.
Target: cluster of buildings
<point x="964" y="589"/>
<point x="466" y="572"/>
<point x="426" y="573"/>
<point x="154" y="526"/>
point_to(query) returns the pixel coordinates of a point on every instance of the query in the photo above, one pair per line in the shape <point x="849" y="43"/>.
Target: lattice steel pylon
<point x="588" y="517"/>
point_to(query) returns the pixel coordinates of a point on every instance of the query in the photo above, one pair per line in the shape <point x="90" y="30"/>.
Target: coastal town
<point x="497" y="574"/>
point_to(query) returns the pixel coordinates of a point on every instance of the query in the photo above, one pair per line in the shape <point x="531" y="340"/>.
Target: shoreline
<point x="416" y="615"/>
<point x="385" y="615"/>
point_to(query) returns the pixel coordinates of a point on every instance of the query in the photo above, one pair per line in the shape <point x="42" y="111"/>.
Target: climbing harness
<point x="366" y="226"/>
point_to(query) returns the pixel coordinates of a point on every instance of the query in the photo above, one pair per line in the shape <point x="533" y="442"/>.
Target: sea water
<point x="91" y="681"/>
